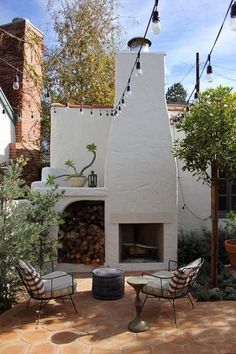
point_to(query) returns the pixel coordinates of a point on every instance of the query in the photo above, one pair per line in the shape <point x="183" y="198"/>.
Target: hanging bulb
<point x="3" y="111"/>
<point x="209" y="73"/>
<point x="91" y="112"/>
<point x="123" y="101"/>
<point x="16" y="84"/>
<point x="54" y="110"/>
<point x="155" y="26"/>
<point x="100" y="114"/>
<point x="139" y="70"/>
<point x="81" y="110"/>
<point x="32" y="115"/>
<point x="47" y="97"/>
<point x="67" y="106"/>
<point x="128" y="89"/>
<point x="233" y="17"/>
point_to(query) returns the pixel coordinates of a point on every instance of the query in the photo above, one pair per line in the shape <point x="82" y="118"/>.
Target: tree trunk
<point x="214" y="218"/>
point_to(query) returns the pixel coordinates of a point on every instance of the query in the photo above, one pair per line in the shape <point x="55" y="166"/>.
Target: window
<point x="227" y="195"/>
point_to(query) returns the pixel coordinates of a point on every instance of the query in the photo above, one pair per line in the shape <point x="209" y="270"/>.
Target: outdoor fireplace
<point x="141" y="243"/>
<point x="136" y="175"/>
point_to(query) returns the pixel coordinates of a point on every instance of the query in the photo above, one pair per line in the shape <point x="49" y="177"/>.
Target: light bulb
<point x="232" y="24"/>
<point x="139" y="70"/>
<point x="155" y="26"/>
<point x="209" y="73"/>
<point x="16" y="84"/>
<point x="81" y="110"/>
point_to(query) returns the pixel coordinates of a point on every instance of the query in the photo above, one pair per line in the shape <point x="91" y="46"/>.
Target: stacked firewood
<point x="82" y="234"/>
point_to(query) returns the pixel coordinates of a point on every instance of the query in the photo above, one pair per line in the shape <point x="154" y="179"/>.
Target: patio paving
<point x="100" y="327"/>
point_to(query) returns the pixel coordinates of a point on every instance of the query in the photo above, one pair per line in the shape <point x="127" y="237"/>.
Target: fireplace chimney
<point x="135" y="43"/>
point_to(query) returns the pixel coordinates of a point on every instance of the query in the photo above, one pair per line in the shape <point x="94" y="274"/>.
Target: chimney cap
<point x="17" y="19"/>
<point x="136" y="42"/>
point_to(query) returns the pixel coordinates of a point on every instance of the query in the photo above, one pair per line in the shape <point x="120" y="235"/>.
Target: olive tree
<point x="208" y="146"/>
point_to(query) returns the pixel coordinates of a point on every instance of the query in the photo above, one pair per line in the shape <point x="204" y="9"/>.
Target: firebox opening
<point x="82" y="234"/>
<point x="141" y="243"/>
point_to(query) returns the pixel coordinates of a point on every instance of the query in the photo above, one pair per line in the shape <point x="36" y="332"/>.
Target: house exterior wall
<point x="24" y="53"/>
<point x="7" y="134"/>
<point x="194" y="197"/>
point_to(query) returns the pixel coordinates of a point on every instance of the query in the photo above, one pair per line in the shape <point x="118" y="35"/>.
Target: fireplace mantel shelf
<point x="76" y="191"/>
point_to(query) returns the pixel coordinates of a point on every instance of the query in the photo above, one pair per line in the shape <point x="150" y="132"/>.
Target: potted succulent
<point x="77" y="178"/>
<point x="230" y="244"/>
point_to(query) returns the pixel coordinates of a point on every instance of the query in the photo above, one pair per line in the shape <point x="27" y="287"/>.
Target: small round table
<point x="137" y="324"/>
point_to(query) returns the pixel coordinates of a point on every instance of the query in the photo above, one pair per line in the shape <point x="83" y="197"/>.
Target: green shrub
<point x="24" y="228"/>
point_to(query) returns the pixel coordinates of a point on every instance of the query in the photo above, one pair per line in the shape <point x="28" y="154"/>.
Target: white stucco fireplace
<point x="135" y="167"/>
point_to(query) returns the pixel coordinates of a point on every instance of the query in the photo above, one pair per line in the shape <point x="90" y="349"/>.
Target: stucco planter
<point x="77" y="181"/>
<point x="230" y="246"/>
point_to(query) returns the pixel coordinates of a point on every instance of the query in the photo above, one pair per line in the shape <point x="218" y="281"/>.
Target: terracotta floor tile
<point x="168" y="348"/>
<point x="41" y="348"/>
<point x="199" y="348"/>
<point x="74" y="348"/>
<point x="14" y="348"/>
<point x="226" y="348"/>
<point x="36" y="335"/>
<point x="137" y="348"/>
<point x="10" y="335"/>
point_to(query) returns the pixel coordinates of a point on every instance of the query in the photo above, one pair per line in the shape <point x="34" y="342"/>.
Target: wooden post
<point x="214" y="218"/>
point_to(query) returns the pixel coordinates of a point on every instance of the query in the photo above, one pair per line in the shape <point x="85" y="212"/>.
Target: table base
<point x="138" y="325"/>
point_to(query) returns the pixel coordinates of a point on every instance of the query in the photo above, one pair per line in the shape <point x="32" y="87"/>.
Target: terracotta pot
<point x="77" y="181"/>
<point x="230" y="246"/>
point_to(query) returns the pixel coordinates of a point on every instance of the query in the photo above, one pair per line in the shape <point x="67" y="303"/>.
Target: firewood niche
<point x="82" y="234"/>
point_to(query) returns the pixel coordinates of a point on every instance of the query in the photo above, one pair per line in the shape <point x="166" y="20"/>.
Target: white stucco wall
<point x="71" y="131"/>
<point x="194" y="197"/>
<point x="7" y="135"/>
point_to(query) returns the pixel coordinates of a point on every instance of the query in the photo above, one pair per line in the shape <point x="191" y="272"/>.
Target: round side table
<point x="137" y="324"/>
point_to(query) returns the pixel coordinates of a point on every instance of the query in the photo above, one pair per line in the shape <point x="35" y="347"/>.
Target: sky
<point x="187" y="27"/>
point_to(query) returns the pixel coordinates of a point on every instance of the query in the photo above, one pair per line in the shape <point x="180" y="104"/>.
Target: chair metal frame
<point x="180" y="292"/>
<point x="40" y="297"/>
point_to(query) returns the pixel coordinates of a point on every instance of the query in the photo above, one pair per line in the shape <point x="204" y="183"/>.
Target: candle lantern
<point x="92" y="179"/>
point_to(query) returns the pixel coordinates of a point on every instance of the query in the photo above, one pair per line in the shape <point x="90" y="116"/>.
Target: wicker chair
<point x="53" y="285"/>
<point x="172" y="285"/>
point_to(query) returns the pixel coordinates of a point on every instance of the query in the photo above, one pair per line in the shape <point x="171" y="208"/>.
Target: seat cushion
<point x="58" y="284"/>
<point x="156" y="287"/>
<point x="32" y="278"/>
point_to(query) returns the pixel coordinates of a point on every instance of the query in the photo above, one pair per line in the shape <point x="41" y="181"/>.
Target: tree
<point x="80" y="68"/>
<point x="209" y="145"/>
<point x="25" y="220"/>
<point x="176" y="94"/>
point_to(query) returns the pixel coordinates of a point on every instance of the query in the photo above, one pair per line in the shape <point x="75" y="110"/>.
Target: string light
<point x="107" y="113"/>
<point x="139" y="70"/>
<point x="155" y="26"/>
<point x="91" y="112"/>
<point x="100" y="114"/>
<point x="123" y="101"/>
<point x="128" y="89"/>
<point x="3" y="111"/>
<point x="32" y="115"/>
<point x="233" y="17"/>
<point x="67" y="106"/>
<point x="16" y="83"/>
<point x="209" y="70"/>
<point x="81" y="110"/>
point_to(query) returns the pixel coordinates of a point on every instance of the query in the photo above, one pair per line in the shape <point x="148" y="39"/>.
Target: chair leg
<point x="73" y="304"/>
<point x="38" y="312"/>
<point x="27" y="306"/>
<point x="174" y="309"/>
<point x="190" y="301"/>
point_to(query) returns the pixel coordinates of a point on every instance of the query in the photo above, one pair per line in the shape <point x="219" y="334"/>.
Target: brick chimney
<point x="21" y="46"/>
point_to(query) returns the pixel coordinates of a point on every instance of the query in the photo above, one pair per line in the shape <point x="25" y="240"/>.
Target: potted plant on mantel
<point x="230" y="245"/>
<point x="76" y="179"/>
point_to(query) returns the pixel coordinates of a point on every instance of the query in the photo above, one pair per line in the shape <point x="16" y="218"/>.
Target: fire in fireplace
<point x="82" y="234"/>
<point x="141" y="243"/>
